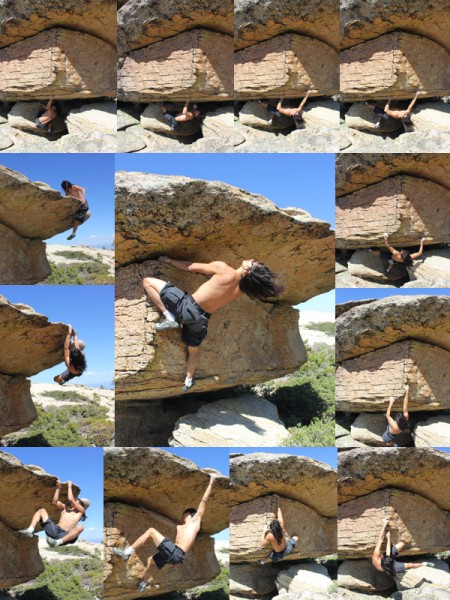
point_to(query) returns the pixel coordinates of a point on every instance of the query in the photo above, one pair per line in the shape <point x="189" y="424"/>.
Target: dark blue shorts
<point x="168" y="554"/>
<point x="55" y="531"/>
<point x="276" y="556"/>
<point x="187" y="312"/>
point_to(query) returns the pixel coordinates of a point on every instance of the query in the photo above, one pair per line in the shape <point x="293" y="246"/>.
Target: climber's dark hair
<point x="189" y="511"/>
<point x="77" y="360"/>
<point x="66" y="185"/>
<point x="387" y="564"/>
<point x="277" y="530"/>
<point x="402" y="421"/>
<point x="406" y="256"/>
<point x="259" y="282"/>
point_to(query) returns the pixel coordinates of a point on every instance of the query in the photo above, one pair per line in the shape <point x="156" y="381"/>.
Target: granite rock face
<point x="433" y="264"/>
<point x="361" y="575"/>
<point x="58" y="63"/>
<point x="287" y="65"/>
<point x="252" y="580"/>
<point x="434" y="432"/>
<point x="193" y="64"/>
<point x="150" y="488"/>
<point x="16" y="406"/>
<point x="394" y="64"/>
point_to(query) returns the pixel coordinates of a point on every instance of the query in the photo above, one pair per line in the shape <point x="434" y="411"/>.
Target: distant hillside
<point x="79" y="265"/>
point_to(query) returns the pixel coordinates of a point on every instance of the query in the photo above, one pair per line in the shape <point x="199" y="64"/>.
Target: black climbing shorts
<point x="67" y="375"/>
<point x="276" y="556"/>
<point x="168" y="554"/>
<point x="81" y="213"/>
<point x="187" y="312"/>
<point x="55" y="531"/>
<point x="399" y="567"/>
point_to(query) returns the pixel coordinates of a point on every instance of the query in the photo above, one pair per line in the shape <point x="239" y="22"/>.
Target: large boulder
<point x="23" y="114"/>
<point x="24" y="18"/>
<point x="151" y="488"/>
<point x="193" y="64"/>
<point x="207" y="220"/>
<point x="321" y="113"/>
<point x="399" y="206"/>
<point x="433" y="264"/>
<point x="423" y="591"/>
<point x="97" y="117"/>
<point x="131" y="475"/>
<point x="432" y="115"/>
<point x="438" y="576"/>
<point x="253" y="580"/>
<point x="123" y="525"/>
<point x="345" y="280"/>
<point x="151" y="365"/>
<point x="246" y="420"/>
<point x="23" y="260"/>
<point x="434" y="432"/>
<point x="368" y="429"/>
<point x="247" y="520"/>
<point x="362" y="21"/>
<point x="311" y="577"/>
<point x="366" y="328"/>
<point x="60" y="63"/>
<point x="153" y="119"/>
<point x="423" y="472"/>
<point x="361" y="116"/>
<point x="255" y="21"/>
<point x="372" y="266"/>
<point x="367" y="382"/>
<point x="30" y="342"/>
<point x="417" y="521"/>
<point x="255" y="114"/>
<point x="362" y="575"/>
<point x="219" y="124"/>
<point x="258" y="474"/>
<point x="144" y="22"/>
<point x="394" y="64"/>
<point x="287" y="65"/>
<point x="16" y="407"/>
<point x="357" y="171"/>
<point x="23" y="489"/>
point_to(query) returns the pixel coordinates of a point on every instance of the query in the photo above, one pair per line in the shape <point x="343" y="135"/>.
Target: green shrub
<point x="92" y="273"/>
<point x="327" y="327"/>
<point x="76" y="255"/>
<point x="65" y="395"/>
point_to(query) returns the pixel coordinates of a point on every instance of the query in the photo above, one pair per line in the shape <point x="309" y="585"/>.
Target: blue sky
<point x="95" y="172"/>
<point x="322" y="303"/>
<point x="83" y="466"/>
<point x="345" y="295"/>
<point x="90" y="310"/>
<point x="303" y="180"/>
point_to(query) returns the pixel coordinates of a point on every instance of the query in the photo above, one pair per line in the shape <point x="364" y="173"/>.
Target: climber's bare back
<point x="187" y="533"/>
<point x="221" y="289"/>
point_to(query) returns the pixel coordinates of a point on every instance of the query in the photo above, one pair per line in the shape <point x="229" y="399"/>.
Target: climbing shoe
<point x="51" y="542"/>
<point x="142" y="586"/>
<point x="428" y="564"/>
<point x="121" y="553"/>
<point x="71" y="236"/>
<point x="25" y="532"/>
<point x="166" y="324"/>
<point x="187" y="387"/>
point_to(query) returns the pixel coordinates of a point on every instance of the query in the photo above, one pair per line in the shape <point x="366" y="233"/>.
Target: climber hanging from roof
<point x="78" y="192"/>
<point x="224" y="285"/>
<point x="170" y="553"/>
<point x="175" y="117"/>
<point x="387" y="562"/>
<point x="399" y="256"/>
<point x="295" y="113"/>
<point x="398" y="431"/>
<point x="46" y="115"/>
<point x="73" y="357"/>
<point x="404" y="115"/>
<point x="68" y="528"/>
<point x="381" y="115"/>
<point x="275" y="534"/>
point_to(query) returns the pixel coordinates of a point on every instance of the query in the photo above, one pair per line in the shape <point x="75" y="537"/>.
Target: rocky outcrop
<point x="286" y="65"/>
<point x="373" y="267"/>
<point x="365" y="383"/>
<point x="153" y="119"/>
<point x="22" y="204"/>
<point x="362" y="21"/>
<point x="311" y="577"/>
<point x="424" y="591"/>
<point x="98" y="117"/>
<point x="306" y="493"/>
<point x="433" y="264"/>
<point x="438" y="576"/>
<point x="58" y="63"/>
<point x="432" y="115"/>
<point x="380" y="323"/>
<point x="23" y="489"/>
<point x="434" y="432"/>
<point x="24" y="18"/>
<point x="432" y="141"/>
<point x="361" y="116"/>
<point x="150" y="488"/>
<point x="253" y="580"/>
<point x="30" y="344"/>
<point x="255" y="114"/>
<point x="255" y="21"/>
<point x="231" y="224"/>
<point x="398" y="205"/>
<point x="361" y="575"/>
<point x="321" y="113"/>
<point x="368" y="429"/>
<point x="247" y="420"/>
<point x="394" y="64"/>
<point x="194" y="64"/>
<point x="141" y="23"/>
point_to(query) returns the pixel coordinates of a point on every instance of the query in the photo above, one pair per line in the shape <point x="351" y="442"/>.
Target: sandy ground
<point x="51" y="554"/>
<point x="37" y="390"/>
<point x="53" y="249"/>
<point x="311" y="335"/>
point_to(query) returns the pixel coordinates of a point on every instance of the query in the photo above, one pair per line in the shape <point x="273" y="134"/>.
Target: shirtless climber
<point x="379" y="112"/>
<point x="46" y="115"/>
<point x="73" y="357"/>
<point x="78" y="192"/>
<point x="224" y="285"/>
<point x="68" y="528"/>
<point x="275" y="534"/>
<point x="174" y="117"/>
<point x="295" y="113"/>
<point x="170" y="553"/>
<point x="402" y="256"/>
<point x="404" y="115"/>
